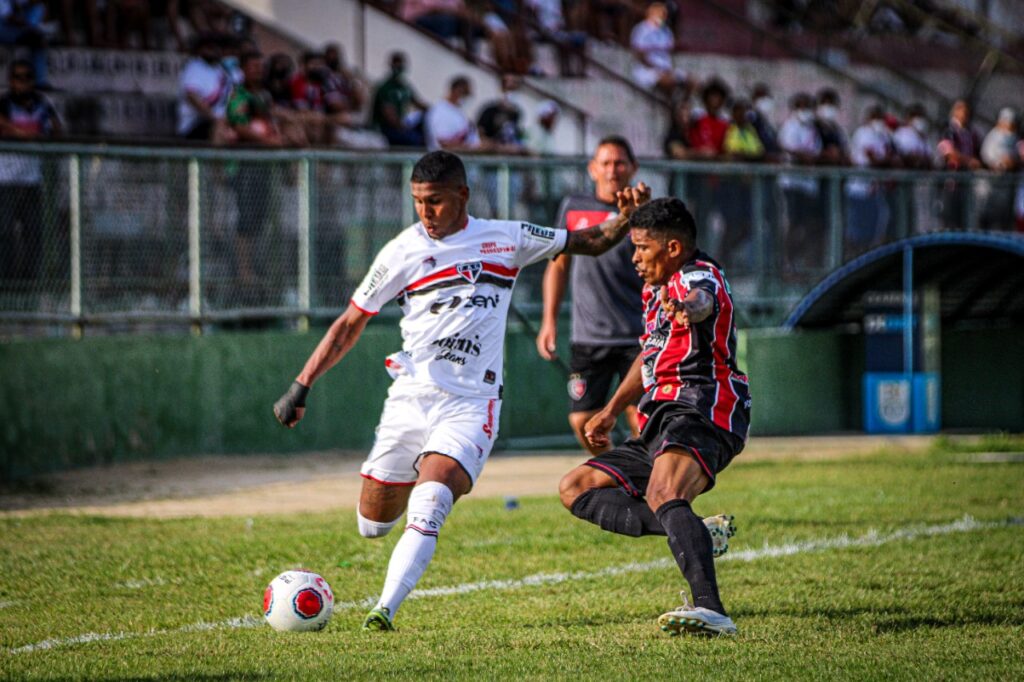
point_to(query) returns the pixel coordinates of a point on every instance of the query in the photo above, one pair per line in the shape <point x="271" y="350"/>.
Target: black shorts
<point x="672" y="424"/>
<point x="593" y="369"/>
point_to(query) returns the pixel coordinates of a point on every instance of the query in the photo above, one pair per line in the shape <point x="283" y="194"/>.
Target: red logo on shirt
<point x="581" y="220"/>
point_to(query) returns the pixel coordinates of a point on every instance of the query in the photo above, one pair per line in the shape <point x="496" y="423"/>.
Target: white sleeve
<point x="535" y="243"/>
<point x="859" y="147"/>
<point x="382" y="283"/>
<point x="788" y="136"/>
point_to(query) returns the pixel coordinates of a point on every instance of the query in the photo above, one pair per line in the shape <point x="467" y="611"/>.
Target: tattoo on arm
<point x="699" y="305"/>
<point x="594" y="241"/>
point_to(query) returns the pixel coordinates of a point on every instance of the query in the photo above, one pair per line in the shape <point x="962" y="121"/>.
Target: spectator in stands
<point x="804" y="236"/>
<point x="204" y="87"/>
<point x="447" y="125"/>
<point x="278" y="81"/>
<point x="446" y="19"/>
<point x="959" y="149"/>
<point x="677" y="139"/>
<point x="652" y="44"/>
<point x="707" y="133"/>
<point x="499" y="121"/>
<point x="397" y="110"/>
<point x="249" y="108"/>
<point x="570" y="45"/>
<point x="541" y="137"/>
<point x="343" y="81"/>
<point x="503" y="24"/>
<point x="21" y="26"/>
<point x="203" y="16"/>
<point x="1000" y="152"/>
<point x="761" y="116"/>
<point x="834" y="146"/>
<point x="322" y="107"/>
<point x="609" y="19"/>
<point x="742" y="143"/>
<point x="249" y="115"/>
<point x="960" y="145"/>
<point x="910" y="139"/>
<point x="867" y="208"/>
<point x="25" y="114"/>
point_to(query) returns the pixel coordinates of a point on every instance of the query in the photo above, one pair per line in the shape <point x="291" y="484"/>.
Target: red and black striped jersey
<point x="695" y="365"/>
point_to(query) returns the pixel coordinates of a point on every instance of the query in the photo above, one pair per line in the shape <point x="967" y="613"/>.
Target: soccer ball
<point x="298" y="601"/>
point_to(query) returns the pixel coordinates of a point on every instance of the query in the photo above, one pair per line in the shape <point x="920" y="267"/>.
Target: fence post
<point x="504" y="190"/>
<point x="75" y="210"/>
<point x="195" y="292"/>
<point x="305" y="211"/>
<point x="835" y="223"/>
<point x="757" y="208"/>
<point x="408" y="217"/>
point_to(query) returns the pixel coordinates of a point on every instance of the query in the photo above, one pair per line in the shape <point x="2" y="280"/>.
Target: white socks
<point x="374" y="529"/>
<point x="429" y="505"/>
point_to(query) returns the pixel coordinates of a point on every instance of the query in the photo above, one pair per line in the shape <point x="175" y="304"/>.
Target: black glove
<point x="286" y="408"/>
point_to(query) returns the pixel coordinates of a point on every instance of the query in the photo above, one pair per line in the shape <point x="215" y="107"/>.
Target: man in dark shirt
<point x="694" y="413"/>
<point x="392" y="103"/>
<point x="960" y="149"/>
<point x="606" y="294"/>
<point x="499" y="121"/>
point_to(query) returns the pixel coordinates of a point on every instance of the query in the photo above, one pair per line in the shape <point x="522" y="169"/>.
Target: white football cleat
<point x="695" y="620"/>
<point x="721" y="528"/>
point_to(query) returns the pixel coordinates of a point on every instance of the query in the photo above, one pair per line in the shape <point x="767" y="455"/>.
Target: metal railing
<point x="134" y="238"/>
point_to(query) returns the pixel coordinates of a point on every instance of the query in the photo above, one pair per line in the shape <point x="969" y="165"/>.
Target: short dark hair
<point x="440" y="166"/>
<point x="458" y="82"/>
<point x="715" y="85"/>
<point x="21" y="64"/>
<point x="618" y="141"/>
<point x="828" y="96"/>
<point x="310" y="55"/>
<point x="249" y="55"/>
<point x="666" y="218"/>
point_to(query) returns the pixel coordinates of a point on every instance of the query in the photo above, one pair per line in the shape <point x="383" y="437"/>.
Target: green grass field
<point x="875" y="566"/>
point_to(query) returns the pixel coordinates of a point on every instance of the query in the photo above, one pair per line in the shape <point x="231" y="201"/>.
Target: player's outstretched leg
<point x="429" y="506"/>
<point x="594" y="496"/>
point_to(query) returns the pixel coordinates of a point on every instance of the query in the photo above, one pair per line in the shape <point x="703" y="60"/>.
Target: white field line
<point x="872" y="538"/>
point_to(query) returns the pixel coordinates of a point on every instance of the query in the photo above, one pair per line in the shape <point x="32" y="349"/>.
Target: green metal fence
<point x="132" y="238"/>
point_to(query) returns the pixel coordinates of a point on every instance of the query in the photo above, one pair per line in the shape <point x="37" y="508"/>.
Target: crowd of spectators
<point x="811" y="135"/>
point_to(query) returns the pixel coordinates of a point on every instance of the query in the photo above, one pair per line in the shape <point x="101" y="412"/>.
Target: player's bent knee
<point x="429" y="506"/>
<point x="374" y="529"/>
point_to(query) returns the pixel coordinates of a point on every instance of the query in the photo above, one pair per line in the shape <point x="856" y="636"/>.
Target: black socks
<point x="612" y="509"/>
<point x="690" y="542"/>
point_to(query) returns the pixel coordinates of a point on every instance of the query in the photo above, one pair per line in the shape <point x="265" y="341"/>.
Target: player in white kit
<point x="452" y="274"/>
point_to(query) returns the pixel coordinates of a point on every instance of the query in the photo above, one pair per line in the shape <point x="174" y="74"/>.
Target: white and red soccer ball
<point x="298" y="601"/>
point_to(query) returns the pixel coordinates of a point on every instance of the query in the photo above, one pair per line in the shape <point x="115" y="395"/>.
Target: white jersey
<point x="454" y="294"/>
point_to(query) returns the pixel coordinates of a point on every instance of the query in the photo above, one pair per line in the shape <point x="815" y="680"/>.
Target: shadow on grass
<point x="897" y="625"/>
<point x="183" y="677"/>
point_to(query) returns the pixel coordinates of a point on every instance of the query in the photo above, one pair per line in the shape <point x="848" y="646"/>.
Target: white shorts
<point x="414" y="423"/>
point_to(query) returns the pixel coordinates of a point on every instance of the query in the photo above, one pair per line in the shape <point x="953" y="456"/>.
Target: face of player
<point x="440" y="207"/>
<point x="611" y="170"/>
<point x="655" y="260"/>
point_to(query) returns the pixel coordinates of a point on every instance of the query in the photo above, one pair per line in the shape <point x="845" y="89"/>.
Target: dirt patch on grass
<point x="276" y="484"/>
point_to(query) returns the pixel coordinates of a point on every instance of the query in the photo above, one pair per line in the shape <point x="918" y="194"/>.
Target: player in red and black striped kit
<point x="694" y="412"/>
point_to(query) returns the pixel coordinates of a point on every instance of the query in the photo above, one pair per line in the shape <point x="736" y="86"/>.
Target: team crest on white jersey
<point x="469" y="271"/>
